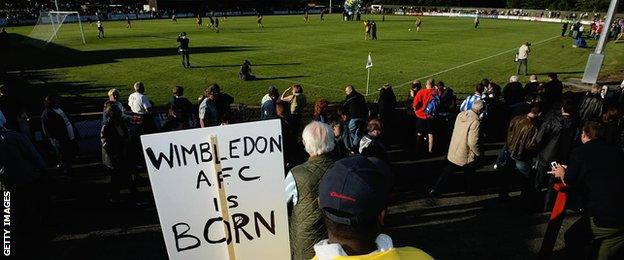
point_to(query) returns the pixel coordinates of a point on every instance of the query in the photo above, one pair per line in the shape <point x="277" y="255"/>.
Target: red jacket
<point x="421" y="100"/>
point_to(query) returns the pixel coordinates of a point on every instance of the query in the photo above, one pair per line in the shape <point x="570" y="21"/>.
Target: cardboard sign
<point x="219" y="191"/>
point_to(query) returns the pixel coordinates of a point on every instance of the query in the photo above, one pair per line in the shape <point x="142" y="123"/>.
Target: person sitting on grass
<point x="245" y="72"/>
<point x="353" y="198"/>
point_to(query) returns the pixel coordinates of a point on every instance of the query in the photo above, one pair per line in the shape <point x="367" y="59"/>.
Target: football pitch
<point x="323" y="56"/>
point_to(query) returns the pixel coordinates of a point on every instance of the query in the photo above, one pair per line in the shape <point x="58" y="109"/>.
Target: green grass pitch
<point x="322" y="56"/>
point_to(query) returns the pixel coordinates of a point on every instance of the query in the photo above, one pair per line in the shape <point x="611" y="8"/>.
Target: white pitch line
<point x="472" y="62"/>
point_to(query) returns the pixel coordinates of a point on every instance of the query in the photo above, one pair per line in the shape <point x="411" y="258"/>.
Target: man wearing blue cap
<point x="353" y="197"/>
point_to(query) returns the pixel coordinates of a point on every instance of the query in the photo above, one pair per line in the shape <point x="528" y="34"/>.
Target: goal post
<point x="49" y="24"/>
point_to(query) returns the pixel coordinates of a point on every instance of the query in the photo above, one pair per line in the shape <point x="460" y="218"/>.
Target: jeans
<point x="356" y="131"/>
<point x="522" y="62"/>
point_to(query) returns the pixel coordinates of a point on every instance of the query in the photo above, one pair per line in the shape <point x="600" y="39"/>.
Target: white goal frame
<point x="56" y="24"/>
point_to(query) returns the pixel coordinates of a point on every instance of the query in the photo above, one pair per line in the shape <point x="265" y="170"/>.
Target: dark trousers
<point x="585" y="240"/>
<point x="121" y="177"/>
<point x="186" y="62"/>
<point x="525" y="63"/>
<point x="469" y="171"/>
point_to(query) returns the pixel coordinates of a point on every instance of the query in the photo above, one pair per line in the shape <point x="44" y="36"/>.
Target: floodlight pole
<point x="594" y="62"/>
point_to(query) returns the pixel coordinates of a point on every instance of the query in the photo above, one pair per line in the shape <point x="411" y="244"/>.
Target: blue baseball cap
<point x="354" y="191"/>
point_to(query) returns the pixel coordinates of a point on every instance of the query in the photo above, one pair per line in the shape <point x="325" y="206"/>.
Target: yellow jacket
<point x="401" y="253"/>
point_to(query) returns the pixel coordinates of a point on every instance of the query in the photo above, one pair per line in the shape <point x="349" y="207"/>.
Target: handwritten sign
<point x="219" y="191"/>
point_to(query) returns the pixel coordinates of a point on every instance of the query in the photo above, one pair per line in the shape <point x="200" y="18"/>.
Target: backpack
<point x="433" y="106"/>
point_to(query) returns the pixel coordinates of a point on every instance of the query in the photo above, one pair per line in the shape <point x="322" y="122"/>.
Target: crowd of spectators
<point x="548" y="137"/>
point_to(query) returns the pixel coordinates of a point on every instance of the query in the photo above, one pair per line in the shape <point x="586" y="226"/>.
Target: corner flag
<point x="369" y="63"/>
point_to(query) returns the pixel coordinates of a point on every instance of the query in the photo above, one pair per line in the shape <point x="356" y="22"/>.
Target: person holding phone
<point x="594" y="171"/>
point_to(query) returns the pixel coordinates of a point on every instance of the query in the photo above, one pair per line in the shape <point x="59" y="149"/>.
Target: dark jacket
<point x="591" y="107"/>
<point x="614" y="133"/>
<point x="531" y="87"/>
<point x="513" y="93"/>
<point x="54" y="127"/>
<point x="355" y="103"/>
<point x="183" y="104"/>
<point x="115" y="140"/>
<point x="595" y="172"/>
<point x="373" y="147"/>
<point x="556" y="138"/>
<point x="386" y="104"/>
<point x="553" y="90"/>
<point x="306" y="223"/>
<point x="521" y="138"/>
<point x="448" y="102"/>
<point x="223" y="102"/>
<point x="12" y="110"/>
<point x="20" y="163"/>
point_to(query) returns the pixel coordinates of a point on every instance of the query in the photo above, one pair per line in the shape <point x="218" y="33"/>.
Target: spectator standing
<point x="297" y="102"/>
<point x="16" y="118"/>
<point x="553" y="91"/>
<point x="523" y="58"/>
<point x="533" y="86"/>
<point x="21" y="169"/>
<point x="591" y="106"/>
<point x="181" y="104"/>
<point x="208" y="112"/>
<point x="142" y="107"/>
<point x="613" y="125"/>
<point x="59" y="129"/>
<point x="320" y="111"/>
<point x="464" y="149"/>
<point x="302" y="190"/>
<point x="115" y="144"/>
<point x="425" y="123"/>
<point x="267" y="105"/>
<point x="469" y="101"/>
<point x="557" y="136"/>
<point x="386" y="104"/>
<point x="354" y="105"/>
<point x="595" y="173"/>
<point x="353" y="197"/>
<point x="521" y="148"/>
<point x="223" y="102"/>
<point x="513" y="92"/>
<point x="371" y="145"/>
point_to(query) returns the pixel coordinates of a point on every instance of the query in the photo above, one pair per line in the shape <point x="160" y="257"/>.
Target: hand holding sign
<point x="207" y="186"/>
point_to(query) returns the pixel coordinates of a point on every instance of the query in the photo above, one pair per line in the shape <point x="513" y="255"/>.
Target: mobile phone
<point x="553" y="164"/>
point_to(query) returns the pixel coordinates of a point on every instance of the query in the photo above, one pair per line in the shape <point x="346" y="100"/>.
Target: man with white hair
<point x="513" y="92"/>
<point x="139" y="102"/>
<point x="301" y="186"/>
<point x="464" y="148"/>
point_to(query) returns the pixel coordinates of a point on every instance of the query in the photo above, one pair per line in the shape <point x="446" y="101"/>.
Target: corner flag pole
<point x="369" y="65"/>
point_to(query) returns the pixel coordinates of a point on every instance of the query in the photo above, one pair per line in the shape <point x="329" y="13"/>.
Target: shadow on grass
<point x="31" y="54"/>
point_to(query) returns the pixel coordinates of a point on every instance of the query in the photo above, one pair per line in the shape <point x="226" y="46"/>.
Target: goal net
<point x="48" y="27"/>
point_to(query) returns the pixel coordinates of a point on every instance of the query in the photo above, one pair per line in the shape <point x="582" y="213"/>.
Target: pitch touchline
<point x="472" y="62"/>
